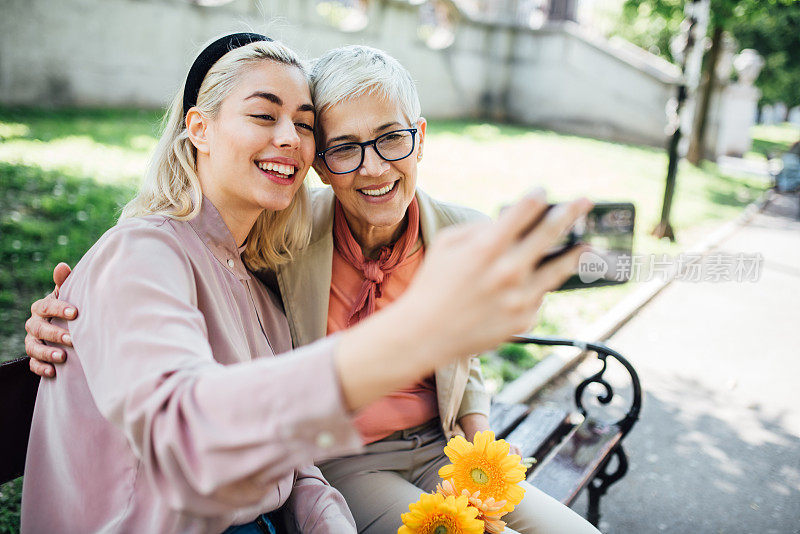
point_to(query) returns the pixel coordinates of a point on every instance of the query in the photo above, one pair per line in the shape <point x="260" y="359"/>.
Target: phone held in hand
<point x="608" y="230"/>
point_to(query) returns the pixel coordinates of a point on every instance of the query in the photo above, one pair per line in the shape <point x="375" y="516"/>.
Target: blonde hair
<point x="171" y="187"/>
<point x="348" y="72"/>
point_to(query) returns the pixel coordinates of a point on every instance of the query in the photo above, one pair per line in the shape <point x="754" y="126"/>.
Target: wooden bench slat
<point x="540" y="431"/>
<point x="504" y="417"/>
<point x="576" y="460"/>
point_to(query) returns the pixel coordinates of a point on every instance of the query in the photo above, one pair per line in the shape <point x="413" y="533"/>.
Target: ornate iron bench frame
<point x="555" y="438"/>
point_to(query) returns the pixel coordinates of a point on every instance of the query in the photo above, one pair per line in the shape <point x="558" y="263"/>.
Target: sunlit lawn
<point x="772" y="139"/>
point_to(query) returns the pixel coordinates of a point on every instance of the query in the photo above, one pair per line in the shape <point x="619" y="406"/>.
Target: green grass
<point x="487" y="166"/>
<point x="10" y="494"/>
<point x="64" y="175"/>
<point x="772" y="139"/>
<point x="45" y="217"/>
<point x="106" y="146"/>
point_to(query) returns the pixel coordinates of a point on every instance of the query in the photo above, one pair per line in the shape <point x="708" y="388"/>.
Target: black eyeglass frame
<point x="364" y="146"/>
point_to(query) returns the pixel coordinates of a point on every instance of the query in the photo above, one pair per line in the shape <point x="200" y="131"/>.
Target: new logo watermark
<point x="592" y="267"/>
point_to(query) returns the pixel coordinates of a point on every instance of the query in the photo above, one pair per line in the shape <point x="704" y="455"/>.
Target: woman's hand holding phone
<point x="492" y="275"/>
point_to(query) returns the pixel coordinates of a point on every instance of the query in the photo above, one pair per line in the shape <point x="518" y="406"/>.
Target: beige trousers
<point x="379" y="484"/>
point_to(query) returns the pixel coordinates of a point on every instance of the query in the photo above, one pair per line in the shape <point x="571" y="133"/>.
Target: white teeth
<point x="287" y="170"/>
<point x="379" y="192"/>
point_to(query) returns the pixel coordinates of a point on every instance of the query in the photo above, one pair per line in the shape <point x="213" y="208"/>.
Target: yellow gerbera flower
<point x="437" y="514"/>
<point x="489" y="511"/>
<point x="485" y="466"/>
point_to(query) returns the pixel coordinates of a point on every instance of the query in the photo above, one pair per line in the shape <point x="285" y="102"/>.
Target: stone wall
<point x="112" y="53"/>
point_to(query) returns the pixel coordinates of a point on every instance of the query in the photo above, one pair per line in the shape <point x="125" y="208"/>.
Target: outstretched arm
<point x="469" y="270"/>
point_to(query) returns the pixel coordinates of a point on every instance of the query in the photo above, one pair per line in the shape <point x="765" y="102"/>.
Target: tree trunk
<point x="664" y="228"/>
<point x="696" y="152"/>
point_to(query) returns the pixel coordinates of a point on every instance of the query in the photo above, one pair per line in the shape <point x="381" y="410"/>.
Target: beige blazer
<point x="305" y="285"/>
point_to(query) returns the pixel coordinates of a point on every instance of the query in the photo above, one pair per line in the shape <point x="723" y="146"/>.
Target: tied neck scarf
<point x="373" y="271"/>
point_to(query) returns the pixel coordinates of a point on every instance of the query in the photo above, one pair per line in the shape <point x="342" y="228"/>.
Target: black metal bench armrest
<point x="18" y="387"/>
<point x="603" y="352"/>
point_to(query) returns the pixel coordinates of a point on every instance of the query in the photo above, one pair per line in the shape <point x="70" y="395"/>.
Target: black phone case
<point x="625" y="230"/>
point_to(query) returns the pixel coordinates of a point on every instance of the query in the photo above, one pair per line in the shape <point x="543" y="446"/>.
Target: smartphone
<point x="608" y="230"/>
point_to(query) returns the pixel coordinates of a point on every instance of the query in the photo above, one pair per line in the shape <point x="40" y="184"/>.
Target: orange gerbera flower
<point x="437" y="514"/>
<point x="485" y="466"/>
<point x="489" y="510"/>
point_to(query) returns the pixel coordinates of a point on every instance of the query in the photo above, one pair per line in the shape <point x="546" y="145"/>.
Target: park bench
<point x="571" y="449"/>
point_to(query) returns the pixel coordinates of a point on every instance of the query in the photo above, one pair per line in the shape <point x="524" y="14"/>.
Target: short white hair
<point x="348" y="72"/>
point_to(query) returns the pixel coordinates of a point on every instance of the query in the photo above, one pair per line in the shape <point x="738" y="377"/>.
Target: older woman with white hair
<point x="371" y="230"/>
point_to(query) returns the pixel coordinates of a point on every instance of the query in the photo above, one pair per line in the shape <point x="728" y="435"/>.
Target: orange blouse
<point x="404" y="408"/>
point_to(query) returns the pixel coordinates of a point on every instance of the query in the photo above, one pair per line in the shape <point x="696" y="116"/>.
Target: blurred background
<point x="582" y="97"/>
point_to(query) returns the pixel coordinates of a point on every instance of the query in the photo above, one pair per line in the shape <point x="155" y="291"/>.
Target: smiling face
<point x="376" y="196"/>
<point x="256" y="152"/>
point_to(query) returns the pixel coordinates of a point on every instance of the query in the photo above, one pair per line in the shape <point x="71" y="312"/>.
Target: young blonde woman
<point x="171" y="413"/>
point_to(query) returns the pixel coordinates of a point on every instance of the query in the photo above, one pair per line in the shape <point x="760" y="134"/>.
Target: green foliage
<point x="510" y="360"/>
<point x="10" y="506"/>
<point x="500" y="371"/>
<point x="517" y="354"/>
<point x="776" y="36"/>
<point x="771" y="27"/>
<point x="45" y="218"/>
<point x="651" y="24"/>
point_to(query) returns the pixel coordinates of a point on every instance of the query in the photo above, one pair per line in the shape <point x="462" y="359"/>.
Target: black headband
<point x="206" y="59"/>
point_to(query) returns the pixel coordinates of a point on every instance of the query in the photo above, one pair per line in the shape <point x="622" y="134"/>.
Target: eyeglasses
<point x="391" y="146"/>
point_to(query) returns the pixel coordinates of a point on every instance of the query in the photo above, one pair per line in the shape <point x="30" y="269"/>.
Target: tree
<point x="777" y="38"/>
<point x="771" y="27"/>
<point x="692" y="29"/>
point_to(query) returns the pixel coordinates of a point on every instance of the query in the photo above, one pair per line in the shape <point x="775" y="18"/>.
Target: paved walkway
<point x="717" y="447"/>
